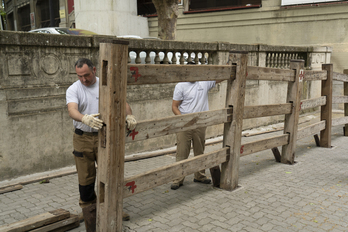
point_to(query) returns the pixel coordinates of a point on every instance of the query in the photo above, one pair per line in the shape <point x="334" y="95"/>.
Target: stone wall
<point x="36" y="70"/>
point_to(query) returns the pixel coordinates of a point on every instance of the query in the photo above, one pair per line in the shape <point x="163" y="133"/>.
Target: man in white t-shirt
<point x="191" y="97"/>
<point x="82" y="99"/>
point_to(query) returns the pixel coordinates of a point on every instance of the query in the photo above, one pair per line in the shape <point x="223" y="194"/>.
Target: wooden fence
<point x="116" y="74"/>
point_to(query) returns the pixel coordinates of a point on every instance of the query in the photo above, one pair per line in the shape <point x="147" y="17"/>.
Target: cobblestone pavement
<point x="311" y="195"/>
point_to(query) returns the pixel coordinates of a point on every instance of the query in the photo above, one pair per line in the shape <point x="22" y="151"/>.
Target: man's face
<point x="86" y="75"/>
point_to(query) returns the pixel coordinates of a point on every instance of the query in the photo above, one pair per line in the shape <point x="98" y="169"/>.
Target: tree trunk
<point x="167" y="11"/>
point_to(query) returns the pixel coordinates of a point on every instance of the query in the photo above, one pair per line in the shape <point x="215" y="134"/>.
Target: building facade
<point x="26" y="15"/>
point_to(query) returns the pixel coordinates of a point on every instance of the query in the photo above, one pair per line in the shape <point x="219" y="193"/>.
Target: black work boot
<point x="90" y="217"/>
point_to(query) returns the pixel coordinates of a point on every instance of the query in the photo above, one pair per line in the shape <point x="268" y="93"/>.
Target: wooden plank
<point x="113" y="59"/>
<point x="317" y="140"/>
<point x="345" y="93"/>
<point x="326" y="110"/>
<point x="11" y="188"/>
<point x="164" y="126"/>
<point x="36" y="221"/>
<point x="291" y="120"/>
<point x="310" y="75"/>
<point x="312" y="103"/>
<point x="138" y="74"/>
<point x="340" y="76"/>
<point x="63" y="225"/>
<point x="339" y="99"/>
<point x="339" y="121"/>
<point x="266" y="110"/>
<point x="271" y="74"/>
<point x="264" y="144"/>
<point x="142" y="182"/>
<point x="310" y="130"/>
<point x="235" y="97"/>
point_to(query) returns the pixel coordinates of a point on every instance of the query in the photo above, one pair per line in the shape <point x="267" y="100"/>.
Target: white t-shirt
<point x="87" y="99"/>
<point x="194" y="96"/>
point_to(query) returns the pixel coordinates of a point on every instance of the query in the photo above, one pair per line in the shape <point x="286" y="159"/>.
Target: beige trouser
<point x="197" y="136"/>
<point x="86" y="155"/>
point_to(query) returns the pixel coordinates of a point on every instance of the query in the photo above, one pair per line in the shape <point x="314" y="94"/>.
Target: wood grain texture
<point x="138" y="74"/>
<point x="291" y="120"/>
<point x="312" y="103"/>
<point x="339" y="99"/>
<point x="345" y="93"/>
<point x="164" y="126"/>
<point x="310" y="130"/>
<point x="310" y="75"/>
<point x="145" y="181"/>
<point x="340" y="76"/>
<point x="264" y="144"/>
<point x="235" y="97"/>
<point x="271" y="74"/>
<point x="326" y="110"/>
<point x="36" y="221"/>
<point x="266" y="110"/>
<point x="339" y="121"/>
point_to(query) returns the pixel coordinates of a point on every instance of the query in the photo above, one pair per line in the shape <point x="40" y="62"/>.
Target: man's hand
<point x="131" y="122"/>
<point x="91" y="121"/>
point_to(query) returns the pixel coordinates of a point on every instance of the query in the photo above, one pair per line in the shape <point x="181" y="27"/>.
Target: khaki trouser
<point x="86" y="155"/>
<point x="197" y="136"/>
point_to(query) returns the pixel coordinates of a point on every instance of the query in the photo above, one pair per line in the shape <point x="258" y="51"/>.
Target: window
<point x="298" y="2"/>
<point x="219" y="4"/>
<point x="146" y="7"/>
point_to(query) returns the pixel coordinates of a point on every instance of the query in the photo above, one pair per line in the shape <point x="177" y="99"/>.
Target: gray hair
<point x="80" y="62"/>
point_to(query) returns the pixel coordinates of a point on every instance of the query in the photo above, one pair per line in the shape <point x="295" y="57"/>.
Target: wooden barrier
<point x="116" y="74"/>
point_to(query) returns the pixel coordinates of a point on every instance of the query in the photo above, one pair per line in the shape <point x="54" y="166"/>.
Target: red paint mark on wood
<point x="131" y="186"/>
<point x="135" y="73"/>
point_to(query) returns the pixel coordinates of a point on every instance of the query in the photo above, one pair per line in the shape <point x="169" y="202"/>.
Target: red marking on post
<point x="246" y="74"/>
<point x="301" y="75"/>
<point x="241" y="149"/>
<point x="300" y="105"/>
<point x="131" y="186"/>
<point x="135" y="73"/>
<point x="133" y="134"/>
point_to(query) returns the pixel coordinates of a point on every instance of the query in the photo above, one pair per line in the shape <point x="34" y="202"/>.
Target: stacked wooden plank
<point x="56" y="220"/>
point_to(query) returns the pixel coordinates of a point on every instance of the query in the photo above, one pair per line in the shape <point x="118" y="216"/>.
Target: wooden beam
<point x="310" y="75"/>
<point x="270" y="74"/>
<point x="235" y="98"/>
<point x="64" y="225"/>
<point x="339" y="99"/>
<point x="113" y="59"/>
<point x="291" y="120"/>
<point x="276" y="154"/>
<point x="326" y="110"/>
<point x="11" y="188"/>
<point x="36" y="221"/>
<point x="310" y="130"/>
<point x="138" y="74"/>
<point x="312" y="103"/>
<point x="340" y="76"/>
<point x="164" y="126"/>
<point x="345" y="93"/>
<point x="339" y="121"/>
<point x="159" y="176"/>
<point x="264" y="144"/>
<point x="266" y="110"/>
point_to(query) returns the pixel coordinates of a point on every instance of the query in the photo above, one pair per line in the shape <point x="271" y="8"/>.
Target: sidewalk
<point x="311" y="195"/>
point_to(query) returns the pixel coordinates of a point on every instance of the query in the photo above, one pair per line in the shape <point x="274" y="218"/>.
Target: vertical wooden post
<point x="326" y="110"/>
<point x="291" y="120"/>
<point x="113" y="59"/>
<point x="233" y="130"/>
<point x="345" y="92"/>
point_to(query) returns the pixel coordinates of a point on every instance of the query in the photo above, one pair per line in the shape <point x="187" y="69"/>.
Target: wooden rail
<point x="314" y="75"/>
<point x="312" y="103"/>
<point x="139" y="74"/>
<point x="264" y="144"/>
<point x="340" y="121"/>
<point x="339" y="99"/>
<point x="271" y="74"/>
<point x="164" y="126"/>
<point x="163" y="175"/>
<point x="266" y="110"/>
<point x="340" y="77"/>
<point x="310" y="130"/>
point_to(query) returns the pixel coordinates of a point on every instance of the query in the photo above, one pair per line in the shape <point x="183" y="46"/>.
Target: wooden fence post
<point x="233" y="130"/>
<point x="345" y="90"/>
<point x="113" y="61"/>
<point x="291" y="120"/>
<point x="326" y="110"/>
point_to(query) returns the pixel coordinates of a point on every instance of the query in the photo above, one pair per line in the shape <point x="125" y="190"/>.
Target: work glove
<point x="131" y="122"/>
<point x="91" y="121"/>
